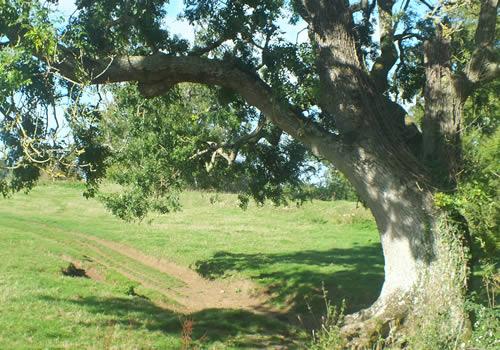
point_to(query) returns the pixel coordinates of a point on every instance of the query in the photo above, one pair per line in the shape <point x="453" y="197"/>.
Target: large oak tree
<point x="339" y="94"/>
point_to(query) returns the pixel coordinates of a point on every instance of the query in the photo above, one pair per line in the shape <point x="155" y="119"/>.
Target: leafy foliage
<point x="187" y="138"/>
<point x="477" y="196"/>
<point x="159" y="155"/>
<point x="102" y="27"/>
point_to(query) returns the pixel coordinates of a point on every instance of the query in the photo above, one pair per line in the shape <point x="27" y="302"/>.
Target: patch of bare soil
<point x="194" y="293"/>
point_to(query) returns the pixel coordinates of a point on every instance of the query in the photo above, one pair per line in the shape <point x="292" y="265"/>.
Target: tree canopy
<point x="48" y="61"/>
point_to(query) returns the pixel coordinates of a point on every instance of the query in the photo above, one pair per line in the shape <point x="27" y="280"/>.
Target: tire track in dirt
<point x="108" y="262"/>
<point x="195" y="294"/>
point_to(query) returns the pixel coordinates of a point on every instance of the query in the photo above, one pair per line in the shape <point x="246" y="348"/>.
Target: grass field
<point x="141" y="293"/>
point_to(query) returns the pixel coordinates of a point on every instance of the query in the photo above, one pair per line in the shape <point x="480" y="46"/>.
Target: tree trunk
<point x="425" y="260"/>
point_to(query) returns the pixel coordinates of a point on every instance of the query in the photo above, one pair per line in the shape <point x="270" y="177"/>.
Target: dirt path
<point x="193" y="294"/>
<point x="189" y="291"/>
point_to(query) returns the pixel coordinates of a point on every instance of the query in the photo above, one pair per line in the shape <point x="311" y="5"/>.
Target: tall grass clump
<point x="328" y="336"/>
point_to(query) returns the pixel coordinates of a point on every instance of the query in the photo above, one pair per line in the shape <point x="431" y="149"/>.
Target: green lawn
<point x="291" y="252"/>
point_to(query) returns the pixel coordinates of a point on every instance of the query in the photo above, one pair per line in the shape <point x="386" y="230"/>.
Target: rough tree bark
<point x="425" y="268"/>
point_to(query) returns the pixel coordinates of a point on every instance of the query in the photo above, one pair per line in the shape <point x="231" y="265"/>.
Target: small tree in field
<point x="339" y="95"/>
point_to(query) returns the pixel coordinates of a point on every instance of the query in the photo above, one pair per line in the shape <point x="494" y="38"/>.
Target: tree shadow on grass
<point x="240" y="328"/>
<point x="293" y="279"/>
<point x="296" y="279"/>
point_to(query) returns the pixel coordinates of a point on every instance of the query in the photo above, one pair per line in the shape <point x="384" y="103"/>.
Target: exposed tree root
<point x="377" y="325"/>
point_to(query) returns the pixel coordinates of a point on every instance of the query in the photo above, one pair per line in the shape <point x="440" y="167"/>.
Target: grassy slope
<point x="292" y="251"/>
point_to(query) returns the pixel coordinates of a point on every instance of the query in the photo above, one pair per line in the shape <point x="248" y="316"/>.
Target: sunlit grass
<point x="291" y="251"/>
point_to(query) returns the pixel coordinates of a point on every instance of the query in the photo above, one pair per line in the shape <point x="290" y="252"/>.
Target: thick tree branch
<point x="347" y="91"/>
<point x="443" y="113"/>
<point x="157" y="73"/>
<point x="388" y="53"/>
<point x="485" y="31"/>
<point x="484" y="65"/>
<point x="339" y="61"/>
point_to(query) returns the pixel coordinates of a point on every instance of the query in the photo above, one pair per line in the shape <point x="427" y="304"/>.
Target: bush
<point x="485" y="325"/>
